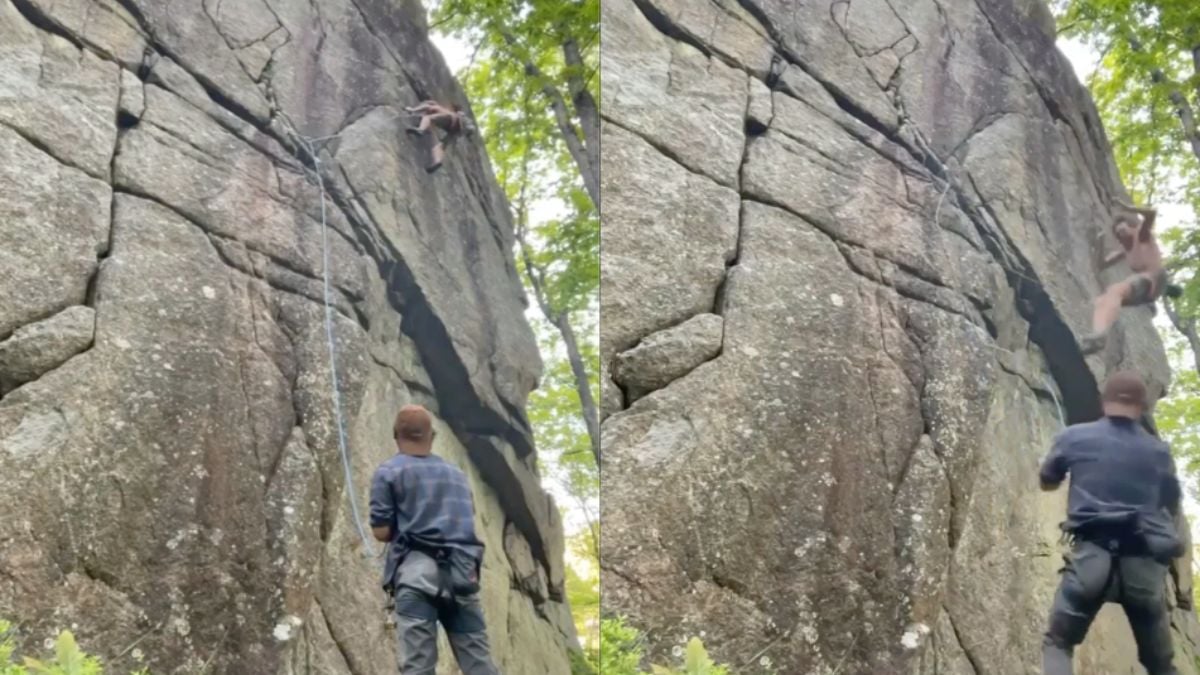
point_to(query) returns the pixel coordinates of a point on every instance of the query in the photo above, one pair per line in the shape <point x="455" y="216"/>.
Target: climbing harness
<point x="337" y="397"/>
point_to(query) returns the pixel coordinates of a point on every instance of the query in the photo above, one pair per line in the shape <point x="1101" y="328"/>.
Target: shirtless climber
<point x="453" y="120"/>
<point x="1134" y="229"/>
<point x="1123" y="492"/>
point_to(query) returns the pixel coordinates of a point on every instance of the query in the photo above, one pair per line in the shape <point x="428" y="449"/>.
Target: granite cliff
<point x="848" y="247"/>
<point x="170" y="476"/>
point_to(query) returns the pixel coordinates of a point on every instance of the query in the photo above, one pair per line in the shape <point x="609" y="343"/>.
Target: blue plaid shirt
<point x="427" y="502"/>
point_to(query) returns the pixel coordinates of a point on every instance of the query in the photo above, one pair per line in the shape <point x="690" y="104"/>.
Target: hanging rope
<point x="1057" y="404"/>
<point x="368" y="546"/>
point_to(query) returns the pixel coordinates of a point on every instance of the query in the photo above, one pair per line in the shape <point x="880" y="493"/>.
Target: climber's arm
<point x="1148" y="216"/>
<point x="383" y="505"/>
<point x="1054" y="468"/>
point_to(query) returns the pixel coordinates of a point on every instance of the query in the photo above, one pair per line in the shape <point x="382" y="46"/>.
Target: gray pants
<point x="1092" y="577"/>
<point x="417" y="618"/>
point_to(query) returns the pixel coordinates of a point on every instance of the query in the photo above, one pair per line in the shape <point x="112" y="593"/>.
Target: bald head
<point x="1124" y="395"/>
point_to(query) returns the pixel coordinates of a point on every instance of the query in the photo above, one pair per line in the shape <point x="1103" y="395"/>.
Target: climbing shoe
<point x="433" y="167"/>
<point x="415" y="131"/>
<point x="1173" y="291"/>
<point x="1090" y="344"/>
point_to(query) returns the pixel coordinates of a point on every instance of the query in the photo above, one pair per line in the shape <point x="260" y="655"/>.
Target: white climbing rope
<point x="1057" y="404"/>
<point x="337" y="397"/>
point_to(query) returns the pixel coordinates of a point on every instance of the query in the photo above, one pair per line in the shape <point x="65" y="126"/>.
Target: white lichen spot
<point x="122" y="343"/>
<point x="285" y="629"/>
<point x="167" y="366"/>
<point x="750" y="351"/>
<point x="677" y="651"/>
<point x="289" y="510"/>
<point x="836" y="300"/>
<point x="138" y="654"/>
<point x="917" y="518"/>
<point x="765" y="662"/>
<point x="209" y="292"/>
<point x="912" y="637"/>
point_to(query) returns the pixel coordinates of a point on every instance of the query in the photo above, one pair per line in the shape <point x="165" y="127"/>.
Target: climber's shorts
<point x="1145" y="289"/>
<point x="1091" y="577"/>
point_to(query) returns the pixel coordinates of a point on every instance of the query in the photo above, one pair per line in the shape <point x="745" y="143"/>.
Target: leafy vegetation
<point x="67" y="659"/>
<point x="622" y="651"/>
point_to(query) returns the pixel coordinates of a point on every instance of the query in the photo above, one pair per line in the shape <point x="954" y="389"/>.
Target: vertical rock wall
<point x="169" y="468"/>
<point x="849" y="244"/>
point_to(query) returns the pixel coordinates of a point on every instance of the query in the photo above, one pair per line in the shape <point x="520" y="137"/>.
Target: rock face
<point x="892" y="206"/>
<point x="170" y="474"/>
<point x="668" y="355"/>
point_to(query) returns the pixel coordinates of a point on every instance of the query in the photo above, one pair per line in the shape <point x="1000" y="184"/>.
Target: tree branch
<point x="585" y="104"/>
<point x="1183" y="110"/>
<point x="559" y="319"/>
<point x="1186" y="328"/>
<point x="562" y="116"/>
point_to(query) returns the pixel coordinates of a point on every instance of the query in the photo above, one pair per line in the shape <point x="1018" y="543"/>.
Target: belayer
<point x="421" y="505"/>
<point x="1123" y="494"/>
<point x="451" y="119"/>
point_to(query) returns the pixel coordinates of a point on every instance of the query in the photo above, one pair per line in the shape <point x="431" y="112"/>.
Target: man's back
<point x="1115" y="467"/>
<point x="429" y="500"/>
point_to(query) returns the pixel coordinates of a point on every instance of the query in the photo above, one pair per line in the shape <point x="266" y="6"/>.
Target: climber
<point x="1134" y="229"/>
<point x="453" y="120"/>
<point x="422" y="507"/>
<point x="1123" y="488"/>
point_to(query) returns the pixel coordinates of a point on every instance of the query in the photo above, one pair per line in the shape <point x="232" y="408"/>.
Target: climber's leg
<point x="1142" y="581"/>
<point x="423" y="127"/>
<point x="416" y="626"/>
<point x="1106" y="309"/>
<point x="438" y="155"/>
<point x="1079" y="597"/>
<point x="468" y="636"/>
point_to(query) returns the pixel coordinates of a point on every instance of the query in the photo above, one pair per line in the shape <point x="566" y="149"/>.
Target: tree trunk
<point x="586" y="401"/>
<point x="1183" y="110"/>
<point x="588" y="170"/>
<point x="1186" y="328"/>
<point x="537" y="281"/>
<point x="585" y="104"/>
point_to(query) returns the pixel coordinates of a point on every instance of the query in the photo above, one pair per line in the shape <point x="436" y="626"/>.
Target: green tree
<point x="551" y="48"/>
